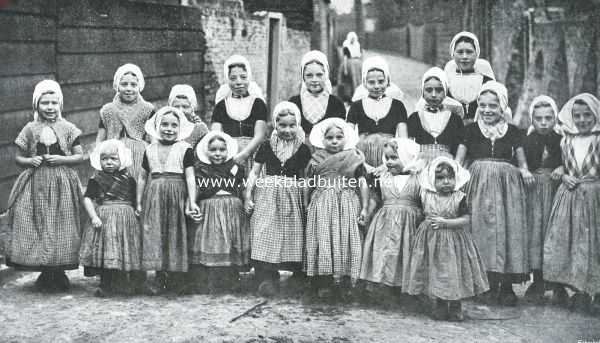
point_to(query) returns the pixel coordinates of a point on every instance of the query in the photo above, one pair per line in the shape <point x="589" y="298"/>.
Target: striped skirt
<point x="445" y="264"/>
<point x="118" y="243"/>
<point x="46" y="219"/>
<point x="387" y="244"/>
<point x="222" y="239"/>
<point x="497" y="199"/>
<point x="164" y="224"/>
<point x="277" y="224"/>
<point x="572" y="246"/>
<point x="540" y="198"/>
<point x="372" y="146"/>
<point x="333" y="238"/>
<point x="137" y="151"/>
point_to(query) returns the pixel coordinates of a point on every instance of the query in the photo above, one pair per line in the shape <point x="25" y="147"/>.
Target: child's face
<point x="129" y="88"/>
<point x="489" y="108"/>
<point x="392" y="162"/>
<point x="376" y="83"/>
<point x="433" y="91"/>
<point x="169" y="127"/>
<point x="238" y="81"/>
<point x="334" y="140"/>
<point x="49" y="106"/>
<point x="543" y="119"/>
<point x="444" y="181"/>
<point x="465" y="55"/>
<point x="109" y="161"/>
<point x="314" y="77"/>
<point x="184" y="105"/>
<point x="217" y="151"/>
<point x="287" y="127"/>
<point x="583" y="118"/>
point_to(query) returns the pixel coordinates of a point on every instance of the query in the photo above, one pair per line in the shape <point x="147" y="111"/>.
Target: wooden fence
<point x="81" y="44"/>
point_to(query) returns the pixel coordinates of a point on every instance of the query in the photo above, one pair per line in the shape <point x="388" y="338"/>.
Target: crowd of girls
<point x="450" y="202"/>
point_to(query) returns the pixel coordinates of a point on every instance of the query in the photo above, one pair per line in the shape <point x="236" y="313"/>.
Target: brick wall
<point x="231" y="30"/>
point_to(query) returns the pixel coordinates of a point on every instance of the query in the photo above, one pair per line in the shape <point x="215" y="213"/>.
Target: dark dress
<point x="335" y="109"/>
<point x="279" y="216"/>
<point x="497" y="198"/>
<point x="450" y="137"/>
<point x="377" y="133"/>
<point x="543" y="156"/>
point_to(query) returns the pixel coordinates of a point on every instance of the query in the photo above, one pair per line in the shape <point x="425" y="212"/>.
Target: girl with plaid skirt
<point x="542" y="148"/>
<point x="45" y="202"/>
<point x="377" y="117"/>
<point x="112" y="244"/>
<point x="240" y="110"/>
<point x="338" y="205"/>
<point x="220" y="237"/>
<point x="572" y="245"/>
<point x="183" y="97"/>
<point x="436" y="125"/>
<point x="164" y="201"/>
<point x="388" y="240"/>
<point x="496" y="193"/>
<point x="444" y="261"/>
<point x="316" y="100"/>
<point x="277" y="205"/>
<point x="125" y="116"/>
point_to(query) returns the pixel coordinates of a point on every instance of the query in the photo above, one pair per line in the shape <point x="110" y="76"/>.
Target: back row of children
<point x="199" y="207"/>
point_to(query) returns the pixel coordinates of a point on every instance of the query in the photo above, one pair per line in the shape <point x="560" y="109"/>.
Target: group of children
<point x="371" y="197"/>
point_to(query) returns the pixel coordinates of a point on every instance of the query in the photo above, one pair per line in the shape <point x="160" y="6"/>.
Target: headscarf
<point x="461" y="175"/>
<point x="125" y="69"/>
<point x="315" y="56"/>
<point x="353" y="47"/>
<point x="110" y="145"/>
<point x="499" y="129"/>
<point x="317" y="134"/>
<point x="481" y="66"/>
<point x="393" y="91"/>
<point x="565" y="116"/>
<point x="224" y="91"/>
<point x="153" y="124"/>
<point x="543" y="99"/>
<point x="435" y="122"/>
<point x="284" y="149"/>
<point x="408" y="151"/>
<point x="202" y="147"/>
<point x="183" y="90"/>
<point x="376" y="62"/>
<point x="46" y="87"/>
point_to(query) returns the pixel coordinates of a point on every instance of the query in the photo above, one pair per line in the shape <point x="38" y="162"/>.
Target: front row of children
<point x="187" y="214"/>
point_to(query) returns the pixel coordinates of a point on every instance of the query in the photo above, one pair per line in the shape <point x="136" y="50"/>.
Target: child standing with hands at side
<point x="112" y="245"/>
<point x="388" y="240"/>
<point x="333" y="237"/>
<point x="444" y="261"/>
<point x="163" y="204"/>
<point x="542" y="149"/>
<point x="219" y="238"/>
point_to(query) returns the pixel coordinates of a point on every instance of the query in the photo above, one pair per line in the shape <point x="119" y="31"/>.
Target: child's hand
<point x="193" y="211"/>
<point x="437" y="223"/>
<point x="378" y="171"/>
<point x="558" y="173"/>
<point x="96" y="222"/>
<point x="138" y="210"/>
<point x="570" y="181"/>
<point x="363" y="217"/>
<point x="249" y="206"/>
<point x="527" y="177"/>
<point x="240" y="159"/>
<point x="53" y="160"/>
<point x="35" y="161"/>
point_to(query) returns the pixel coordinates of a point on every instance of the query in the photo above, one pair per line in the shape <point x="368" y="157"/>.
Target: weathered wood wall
<point x="81" y="44"/>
